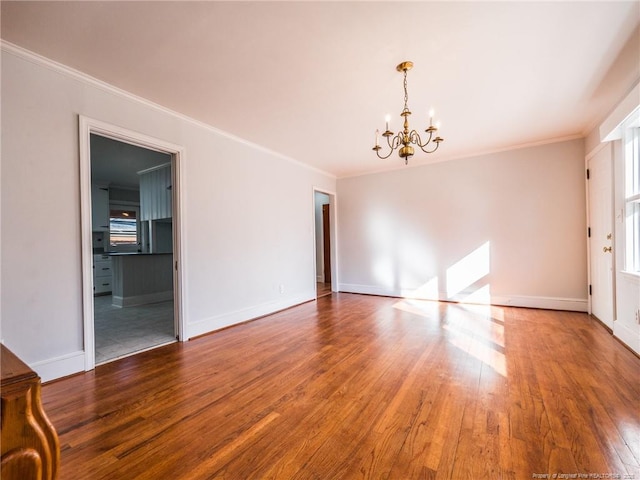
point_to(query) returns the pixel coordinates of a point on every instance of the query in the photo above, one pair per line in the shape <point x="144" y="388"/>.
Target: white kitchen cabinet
<point x="156" y="193"/>
<point x="102" y="274"/>
<point x="99" y="208"/>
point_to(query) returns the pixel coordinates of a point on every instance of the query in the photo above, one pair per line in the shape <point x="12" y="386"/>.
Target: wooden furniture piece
<point x="30" y="447"/>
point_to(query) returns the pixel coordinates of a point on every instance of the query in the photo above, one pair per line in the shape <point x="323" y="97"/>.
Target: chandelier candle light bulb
<point x="404" y="140"/>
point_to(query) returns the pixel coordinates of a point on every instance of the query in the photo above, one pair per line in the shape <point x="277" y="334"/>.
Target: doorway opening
<point x="324" y="206"/>
<point x="131" y="242"/>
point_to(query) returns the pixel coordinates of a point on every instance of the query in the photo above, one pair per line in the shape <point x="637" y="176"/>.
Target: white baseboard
<point x="549" y="303"/>
<point x="627" y="335"/>
<point x="370" y="290"/>
<point x="142" y="299"/>
<point x="212" y="324"/>
<point x="59" y="367"/>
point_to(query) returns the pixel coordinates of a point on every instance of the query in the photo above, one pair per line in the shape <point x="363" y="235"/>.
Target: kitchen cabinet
<point x="141" y="278"/>
<point x="155" y="193"/>
<point x="102" y="274"/>
<point x="99" y="208"/>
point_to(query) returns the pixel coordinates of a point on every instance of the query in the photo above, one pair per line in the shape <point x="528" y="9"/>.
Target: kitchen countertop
<point x="122" y="254"/>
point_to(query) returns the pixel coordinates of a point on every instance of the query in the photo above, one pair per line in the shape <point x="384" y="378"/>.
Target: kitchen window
<point x="123" y="229"/>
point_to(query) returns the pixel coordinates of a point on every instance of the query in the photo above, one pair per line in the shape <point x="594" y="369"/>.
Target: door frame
<point x="589" y="157"/>
<point x="326" y="242"/>
<point x="333" y="222"/>
<point x="88" y="126"/>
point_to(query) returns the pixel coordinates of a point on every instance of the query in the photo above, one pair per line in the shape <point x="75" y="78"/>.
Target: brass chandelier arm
<point x="430" y="141"/>
<point x="431" y="151"/>
<point x="392" y="143"/>
<point x="415" y="138"/>
<point x="383" y="157"/>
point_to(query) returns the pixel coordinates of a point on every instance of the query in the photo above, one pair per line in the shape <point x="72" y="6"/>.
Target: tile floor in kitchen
<point x="120" y="332"/>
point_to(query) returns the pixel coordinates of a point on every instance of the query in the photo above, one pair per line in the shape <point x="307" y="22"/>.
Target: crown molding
<point x="57" y="67"/>
<point x="610" y="128"/>
<point x="479" y="153"/>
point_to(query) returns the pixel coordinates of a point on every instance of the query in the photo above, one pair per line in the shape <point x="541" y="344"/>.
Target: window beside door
<point x="631" y="138"/>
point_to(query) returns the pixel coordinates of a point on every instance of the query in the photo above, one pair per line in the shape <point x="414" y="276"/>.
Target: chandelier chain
<point x="406" y="94"/>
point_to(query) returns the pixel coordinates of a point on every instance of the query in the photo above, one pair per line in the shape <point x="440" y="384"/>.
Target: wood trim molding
<point x="88" y="126"/>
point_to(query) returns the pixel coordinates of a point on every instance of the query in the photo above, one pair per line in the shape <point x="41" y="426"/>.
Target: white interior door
<point x="601" y="239"/>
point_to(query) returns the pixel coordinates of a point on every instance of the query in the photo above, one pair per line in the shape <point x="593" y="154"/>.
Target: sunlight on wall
<point x="382" y="234"/>
<point x="428" y="291"/>
<point x="400" y="257"/>
<point x="383" y="271"/>
<point x="417" y="261"/>
<point x="481" y="295"/>
<point x="417" y="307"/>
<point x="466" y="281"/>
<point x="469" y="270"/>
<point x="476" y="328"/>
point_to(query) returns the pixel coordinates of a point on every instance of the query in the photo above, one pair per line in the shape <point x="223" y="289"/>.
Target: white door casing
<point x="333" y="220"/>
<point x="600" y="221"/>
<point x="87" y="126"/>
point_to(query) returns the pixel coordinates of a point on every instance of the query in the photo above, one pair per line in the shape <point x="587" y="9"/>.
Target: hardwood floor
<point x="323" y="289"/>
<point x="366" y="387"/>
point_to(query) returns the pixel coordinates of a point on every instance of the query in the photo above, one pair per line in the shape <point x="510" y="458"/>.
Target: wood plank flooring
<point x="323" y="289"/>
<point x="362" y="387"/>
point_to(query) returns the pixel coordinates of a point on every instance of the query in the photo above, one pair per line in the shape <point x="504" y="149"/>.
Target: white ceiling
<point x="117" y="164"/>
<point x="313" y="80"/>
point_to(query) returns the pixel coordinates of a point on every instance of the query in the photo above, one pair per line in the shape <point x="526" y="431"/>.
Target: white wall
<point x="508" y="228"/>
<point x="249" y="214"/>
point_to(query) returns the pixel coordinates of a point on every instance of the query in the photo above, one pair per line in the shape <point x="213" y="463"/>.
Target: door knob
<point x="606" y="249"/>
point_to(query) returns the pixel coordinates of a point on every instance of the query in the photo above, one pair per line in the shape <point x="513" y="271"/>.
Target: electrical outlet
<point x="281" y="288"/>
<point x="638" y="316"/>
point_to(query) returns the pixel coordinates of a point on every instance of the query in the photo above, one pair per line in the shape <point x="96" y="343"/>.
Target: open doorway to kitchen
<point x="131" y="300"/>
<point x="324" y="235"/>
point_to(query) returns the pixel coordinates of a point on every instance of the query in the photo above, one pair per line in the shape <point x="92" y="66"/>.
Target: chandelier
<point x="404" y="139"/>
